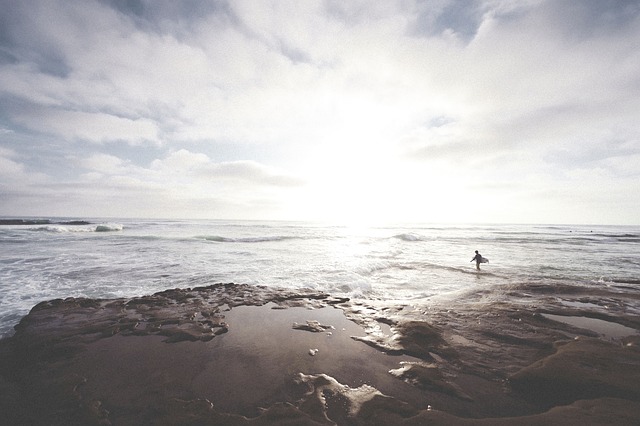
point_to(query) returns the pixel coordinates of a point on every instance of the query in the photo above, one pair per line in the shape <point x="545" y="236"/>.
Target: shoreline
<point x="240" y="354"/>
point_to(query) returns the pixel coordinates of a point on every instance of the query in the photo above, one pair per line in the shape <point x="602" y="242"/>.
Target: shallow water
<point x="608" y="329"/>
<point x="57" y="258"/>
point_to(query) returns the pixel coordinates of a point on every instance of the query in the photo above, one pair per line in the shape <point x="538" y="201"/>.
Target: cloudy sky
<point x="351" y="111"/>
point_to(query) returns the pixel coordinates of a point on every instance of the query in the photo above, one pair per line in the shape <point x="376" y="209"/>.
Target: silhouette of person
<point x="478" y="259"/>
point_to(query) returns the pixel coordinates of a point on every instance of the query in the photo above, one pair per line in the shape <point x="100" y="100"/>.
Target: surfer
<point x="479" y="259"/>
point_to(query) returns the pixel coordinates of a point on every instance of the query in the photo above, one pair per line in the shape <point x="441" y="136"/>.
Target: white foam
<point x="409" y="237"/>
<point x="59" y="229"/>
<point x="356" y="397"/>
<point x="109" y="227"/>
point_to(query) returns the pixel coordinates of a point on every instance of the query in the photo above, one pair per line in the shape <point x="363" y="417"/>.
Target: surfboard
<point x="484" y="260"/>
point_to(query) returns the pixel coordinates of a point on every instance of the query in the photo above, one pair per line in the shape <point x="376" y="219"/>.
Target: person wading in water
<point x="479" y="259"/>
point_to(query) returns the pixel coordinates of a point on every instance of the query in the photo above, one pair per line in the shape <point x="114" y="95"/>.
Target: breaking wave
<point x="410" y="237"/>
<point x="19" y="222"/>
<point x="109" y="227"/>
<point x="220" y="239"/>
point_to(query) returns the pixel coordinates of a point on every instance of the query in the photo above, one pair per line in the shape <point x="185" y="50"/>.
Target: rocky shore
<point x="231" y="354"/>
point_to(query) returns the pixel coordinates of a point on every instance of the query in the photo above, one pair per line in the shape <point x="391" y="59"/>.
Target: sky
<point x="359" y="112"/>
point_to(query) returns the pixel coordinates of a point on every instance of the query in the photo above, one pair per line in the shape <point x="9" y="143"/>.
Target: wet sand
<point x="233" y="355"/>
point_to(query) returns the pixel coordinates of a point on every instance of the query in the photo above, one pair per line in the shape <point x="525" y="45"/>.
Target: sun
<point x="359" y="172"/>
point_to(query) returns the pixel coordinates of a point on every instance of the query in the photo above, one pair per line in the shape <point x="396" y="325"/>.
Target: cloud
<point x="199" y="166"/>
<point x="182" y="180"/>
<point x="615" y="156"/>
<point x="90" y="127"/>
<point x="14" y="172"/>
<point x="9" y="169"/>
<point x="104" y="163"/>
<point x="540" y="76"/>
<point x="181" y="161"/>
<point x="247" y="103"/>
<point x="458" y="19"/>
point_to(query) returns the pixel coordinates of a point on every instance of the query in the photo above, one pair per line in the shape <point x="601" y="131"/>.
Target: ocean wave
<point x="617" y="280"/>
<point x="59" y="226"/>
<point x="410" y="237"/>
<point x="220" y="239"/>
<point x="375" y="267"/>
<point x="58" y="229"/>
<point x="30" y="222"/>
<point x="625" y="238"/>
<point x="109" y="227"/>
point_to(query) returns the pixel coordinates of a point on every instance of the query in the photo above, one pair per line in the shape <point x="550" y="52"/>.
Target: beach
<point x="129" y="322"/>
<point x="229" y="354"/>
<point x="319" y="213"/>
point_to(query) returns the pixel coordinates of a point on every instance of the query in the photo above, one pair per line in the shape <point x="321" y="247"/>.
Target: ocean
<point x="53" y="258"/>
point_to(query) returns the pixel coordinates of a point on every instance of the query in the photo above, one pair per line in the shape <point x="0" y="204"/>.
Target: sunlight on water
<point x="125" y="258"/>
